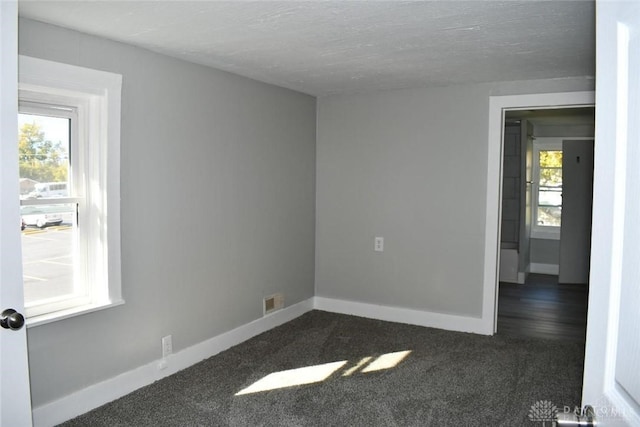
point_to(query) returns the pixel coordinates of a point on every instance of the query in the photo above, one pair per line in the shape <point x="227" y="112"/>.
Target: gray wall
<point x="196" y="259"/>
<point x="411" y="166"/>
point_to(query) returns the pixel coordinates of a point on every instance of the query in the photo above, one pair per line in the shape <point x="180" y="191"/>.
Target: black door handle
<point x="11" y="319"/>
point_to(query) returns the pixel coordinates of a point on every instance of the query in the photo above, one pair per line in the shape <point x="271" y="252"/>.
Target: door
<point x="15" y="403"/>
<point x="611" y="377"/>
<point x="577" y="196"/>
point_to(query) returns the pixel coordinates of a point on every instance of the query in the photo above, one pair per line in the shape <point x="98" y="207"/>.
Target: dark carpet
<point x="447" y="379"/>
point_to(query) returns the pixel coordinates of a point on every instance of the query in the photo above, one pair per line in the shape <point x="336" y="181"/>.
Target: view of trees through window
<point x="550" y="188"/>
<point x="41" y="159"/>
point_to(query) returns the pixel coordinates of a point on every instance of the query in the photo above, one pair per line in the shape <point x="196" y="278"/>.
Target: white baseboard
<point x="553" y="269"/>
<point x="520" y="279"/>
<point x="96" y="395"/>
<point x="403" y="315"/>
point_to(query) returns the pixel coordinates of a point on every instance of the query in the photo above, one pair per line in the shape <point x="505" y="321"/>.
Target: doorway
<point x="497" y="107"/>
<point x="547" y="175"/>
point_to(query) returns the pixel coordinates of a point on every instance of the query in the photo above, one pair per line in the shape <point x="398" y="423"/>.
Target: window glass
<point x="51" y="258"/>
<point x="549" y="209"/>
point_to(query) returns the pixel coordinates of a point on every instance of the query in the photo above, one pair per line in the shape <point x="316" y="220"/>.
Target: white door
<point x="15" y="400"/>
<point x="612" y="359"/>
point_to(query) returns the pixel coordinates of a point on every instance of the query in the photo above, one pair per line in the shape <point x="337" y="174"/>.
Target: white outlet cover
<point x="378" y="244"/>
<point x="167" y="346"/>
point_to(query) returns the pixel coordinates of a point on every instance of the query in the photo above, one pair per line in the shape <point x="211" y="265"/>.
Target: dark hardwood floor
<point x="541" y="308"/>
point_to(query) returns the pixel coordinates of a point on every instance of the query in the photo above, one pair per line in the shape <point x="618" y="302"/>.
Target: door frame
<point x="493" y="218"/>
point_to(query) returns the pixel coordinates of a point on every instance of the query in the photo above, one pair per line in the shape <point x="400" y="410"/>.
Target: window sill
<point x="43" y="319"/>
<point x="545" y="234"/>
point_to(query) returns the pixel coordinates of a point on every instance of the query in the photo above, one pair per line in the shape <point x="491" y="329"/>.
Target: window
<point x="547" y="194"/>
<point x="52" y="251"/>
<point x="69" y="153"/>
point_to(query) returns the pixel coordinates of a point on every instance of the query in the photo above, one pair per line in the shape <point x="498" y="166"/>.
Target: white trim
<point x="91" y="397"/>
<point x="519" y="279"/>
<point x="43" y="319"/>
<point x="430" y="319"/>
<point x="542" y="234"/>
<point x="539" y="268"/>
<point x="497" y="105"/>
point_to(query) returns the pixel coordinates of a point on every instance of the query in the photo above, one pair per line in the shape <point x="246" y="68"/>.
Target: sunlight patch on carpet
<point x="294" y="377"/>
<point x="358" y="365"/>
<point x="387" y="361"/>
<point x="319" y="373"/>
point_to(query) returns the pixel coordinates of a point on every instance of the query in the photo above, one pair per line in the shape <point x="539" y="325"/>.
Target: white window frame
<point x="542" y="231"/>
<point x="95" y="96"/>
<point x="30" y="104"/>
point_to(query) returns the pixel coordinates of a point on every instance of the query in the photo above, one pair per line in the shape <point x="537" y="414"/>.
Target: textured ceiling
<point x="326" y="47"/>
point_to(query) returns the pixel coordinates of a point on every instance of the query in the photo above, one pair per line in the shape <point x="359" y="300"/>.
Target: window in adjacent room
<point x="547" y="197"/>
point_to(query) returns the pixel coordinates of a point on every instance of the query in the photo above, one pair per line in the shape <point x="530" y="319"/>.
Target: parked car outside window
<point x="40" y="216"/>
